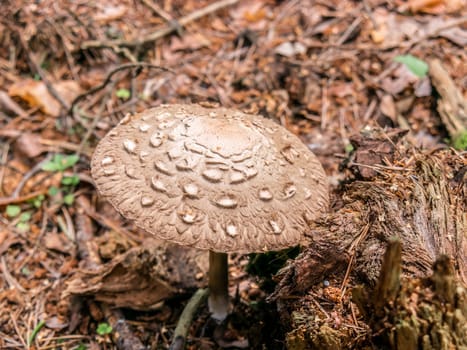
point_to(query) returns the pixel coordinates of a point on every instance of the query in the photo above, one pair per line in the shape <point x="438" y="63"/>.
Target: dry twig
<point x="183" y="21"/>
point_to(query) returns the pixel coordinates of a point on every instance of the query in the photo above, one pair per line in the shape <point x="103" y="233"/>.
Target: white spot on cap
<point x="129" y="145"/>
<point x="158" y="185"/>
<point x="131" y="172"/>
<point x="275" y="227"/>
<point x="143" y="155"/>
<point x="147" y="201"/>
<point x="265" y="194"/>
<point x="162" y="167"/>
<point x="188" y="218"/>
<point x="289" y="190"/>
<point x="227" y="202"/>
<point x="237" y="177"/>
<point x="109" y="171"/>
<point x="191" y="190"/>
<point x="156" y="139"/>
<point x="231" y="230"/>
<point x="251" y="172"/>
<point x="307" y="193"/>
<point x="107" y="161"/>
<point x="213" y="175"/>
<point x="144" y="127"/>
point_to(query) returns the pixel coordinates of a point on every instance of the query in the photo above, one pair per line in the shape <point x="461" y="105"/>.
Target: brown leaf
<point x="29" y="145"/>
<point x="36" y="94"/>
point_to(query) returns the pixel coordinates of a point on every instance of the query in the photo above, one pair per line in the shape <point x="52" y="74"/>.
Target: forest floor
<point x="70" y="70"/>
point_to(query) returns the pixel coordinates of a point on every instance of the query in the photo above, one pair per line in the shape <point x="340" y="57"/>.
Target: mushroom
<point x="214" y="179"/>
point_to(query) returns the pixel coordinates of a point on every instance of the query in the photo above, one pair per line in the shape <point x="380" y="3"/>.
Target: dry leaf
<point x="36" y="94"/>
<point x="192" y="42"/>
<point x="110" y="13"/>
<point x="289" y="49"/>
<point x="29" y="145"/>
<point x="388" y="107"/>
<point x="436" y="6"/>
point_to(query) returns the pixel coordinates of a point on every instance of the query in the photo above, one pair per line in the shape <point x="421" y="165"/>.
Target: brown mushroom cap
<point x="211" y="178"/>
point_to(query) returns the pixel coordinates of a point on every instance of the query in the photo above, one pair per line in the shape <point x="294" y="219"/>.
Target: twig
<point x="96" y="119"/>
<point x="165" y="15"/>
<point x="20" y="199"/>
<point x="161" y="32"/>
<point x="35" y="67"/>
<point x="29" y="175"/>
<point x="184" y="322"/>
<point x="9" y="277"/>
<point x="109" y="77"/>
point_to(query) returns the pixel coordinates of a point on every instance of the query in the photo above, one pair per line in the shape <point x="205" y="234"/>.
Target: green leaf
<point x="13" y="210"/>
<point x="53" y="191"/>
<point x="60" y="162"/>
<point x="69" y="199"/>
<point x="124" y="94"/>
<point x="24" y="217"/>
<point x="69" y="161"/>
<point x="35" y="331"/>
<point x="104" y="328"/>
<point x="37" y="201"/>
<point x="81" y="347"/>
<point x="25" y="271"/>
<point x="53" y="164"/>
<point x="22" y="226"/>
<point x="70" y="180"/>
<point x="414" y="64"/>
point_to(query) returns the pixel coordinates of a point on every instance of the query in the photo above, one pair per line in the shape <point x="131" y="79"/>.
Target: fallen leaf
<point x="56" y="241"/>
<point x="436" y="7"/>
<point x="110" y="13"/>
<point x="289" y="49"/>
<point x="36" y="94"/>
<point x="388" y="107"/>
<point x="192" y="42"/>
<point x="29" y="145"/>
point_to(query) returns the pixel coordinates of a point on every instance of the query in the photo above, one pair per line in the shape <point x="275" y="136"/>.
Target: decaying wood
<point x="419" y="313"/>
<point x="419" y="198"/>
<point x="143" y="277"/>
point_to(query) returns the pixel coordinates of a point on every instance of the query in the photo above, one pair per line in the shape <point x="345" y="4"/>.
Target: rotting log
<point x="419" y="198"/>
<point x="418" y="313"/>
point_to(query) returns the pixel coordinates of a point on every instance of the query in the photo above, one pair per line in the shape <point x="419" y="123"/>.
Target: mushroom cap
<point x="211" y="178"/>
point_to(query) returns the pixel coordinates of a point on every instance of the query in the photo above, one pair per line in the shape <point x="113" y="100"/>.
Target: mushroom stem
<point x="218" y="300"/>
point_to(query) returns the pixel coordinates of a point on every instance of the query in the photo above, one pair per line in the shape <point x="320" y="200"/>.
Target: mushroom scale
<point x="211" y="178"/>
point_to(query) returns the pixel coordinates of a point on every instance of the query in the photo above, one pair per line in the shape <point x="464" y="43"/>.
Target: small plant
<point x="36" y="202"/>
<point x="35" y="331"/>
<point x="104" y="328"/>
<point x="81" y="347"/>
<point x="14" y="211"/>
<point x="460" y="141"/>
<point x="414" y="64"/>
<point x="124" y="94"/>
<point x="60" y="162"/>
